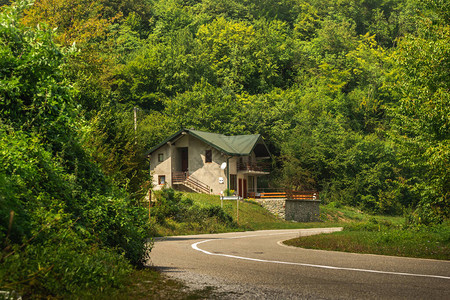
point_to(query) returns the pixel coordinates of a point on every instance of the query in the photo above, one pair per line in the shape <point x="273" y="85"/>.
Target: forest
<point x="351" y="96"/>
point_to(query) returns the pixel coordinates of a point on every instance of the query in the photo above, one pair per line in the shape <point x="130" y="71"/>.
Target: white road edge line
<point x="195" y="247"/>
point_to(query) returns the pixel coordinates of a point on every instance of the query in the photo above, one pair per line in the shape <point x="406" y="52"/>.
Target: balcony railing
<point x="254" y="167"/>
<point x="288" y="194"/>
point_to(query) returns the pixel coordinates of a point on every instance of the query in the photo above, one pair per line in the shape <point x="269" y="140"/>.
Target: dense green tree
<point x="229" y="9"/>
<point x="34" y="94"/>
<point x="63" y="223"/>
<point x="205" y="108"/>
<point x="423" y="114"/>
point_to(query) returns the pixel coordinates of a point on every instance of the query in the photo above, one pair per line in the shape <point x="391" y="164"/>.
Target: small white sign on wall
<point x="221" y="180"/>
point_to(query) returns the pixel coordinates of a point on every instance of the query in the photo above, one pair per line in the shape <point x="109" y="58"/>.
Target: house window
<point x="160" y="157"/>
<point x="161" y="179"/>
<point x="208" y="156"/>
<point x="233" y="182"/>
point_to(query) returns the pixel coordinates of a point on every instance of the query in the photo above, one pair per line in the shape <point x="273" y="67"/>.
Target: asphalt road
<point x="255" y="265"/>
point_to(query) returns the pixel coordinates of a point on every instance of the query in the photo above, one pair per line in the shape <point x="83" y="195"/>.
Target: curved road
<point x="255" y="265"/>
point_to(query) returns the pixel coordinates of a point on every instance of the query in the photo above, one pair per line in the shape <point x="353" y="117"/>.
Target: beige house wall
<point x="233" y="165"/>
<point x="163" y="168"/>
<point x="208" y="173"/>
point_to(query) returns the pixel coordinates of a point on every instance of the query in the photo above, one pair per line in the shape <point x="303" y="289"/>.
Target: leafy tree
<point x="423" y="113"/>
<point x="34" y="94"/>
<point x="307" y="22"/>
<point x="228" y="47"/>
<point x="231" y="10"/>
<point x="78" y="21"/>
<point x="205" y="108"/>
<point x="63" y="224"/>
<point x="119" y="149"/>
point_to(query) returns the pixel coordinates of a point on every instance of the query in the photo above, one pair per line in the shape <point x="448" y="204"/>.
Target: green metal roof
<point x="237" y="145"/>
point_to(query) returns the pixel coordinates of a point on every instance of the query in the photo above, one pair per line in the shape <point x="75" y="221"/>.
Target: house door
<point x="243" y="188"/>
<point x="240" y="192"/>
<point x="184" y="159"/>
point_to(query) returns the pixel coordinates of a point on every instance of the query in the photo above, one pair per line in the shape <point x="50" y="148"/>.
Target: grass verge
<point x="375" y="238"/>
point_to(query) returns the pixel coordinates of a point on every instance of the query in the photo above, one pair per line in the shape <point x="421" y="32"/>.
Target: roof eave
<point x="165" y="141"/>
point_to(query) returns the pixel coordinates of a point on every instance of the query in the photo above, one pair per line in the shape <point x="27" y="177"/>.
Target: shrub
<point x="63" y="239"/>
<point x="64" y="264"/>
<point x="173" y="205"/>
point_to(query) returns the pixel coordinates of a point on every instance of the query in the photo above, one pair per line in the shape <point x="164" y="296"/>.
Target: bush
<point x="62" y="265"/>
<point x="173" y="205"/>
<point x="63" y="239"/>
<point x="118" y="225"/>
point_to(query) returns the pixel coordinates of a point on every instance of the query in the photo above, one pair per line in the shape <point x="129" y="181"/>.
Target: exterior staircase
<point x="188" y="183"/>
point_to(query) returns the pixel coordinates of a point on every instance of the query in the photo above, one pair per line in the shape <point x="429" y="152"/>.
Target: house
<point x="210" y="163"/>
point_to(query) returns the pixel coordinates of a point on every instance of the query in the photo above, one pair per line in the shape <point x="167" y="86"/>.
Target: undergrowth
<point x="177" y="213"/>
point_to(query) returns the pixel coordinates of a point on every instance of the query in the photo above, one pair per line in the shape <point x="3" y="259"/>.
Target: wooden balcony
<point x="259" y="167"/>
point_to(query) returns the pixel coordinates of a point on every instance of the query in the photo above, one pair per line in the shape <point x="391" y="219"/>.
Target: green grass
<point x="384" y="238"/>
<point x="344" y="215"/>
<point x="253" y="216"/>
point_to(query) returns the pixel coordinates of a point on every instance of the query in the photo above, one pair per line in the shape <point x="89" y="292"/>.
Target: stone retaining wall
<point x="292" y="210"/>
<point x="302" y="210"/>
<point x="276" y="206"/>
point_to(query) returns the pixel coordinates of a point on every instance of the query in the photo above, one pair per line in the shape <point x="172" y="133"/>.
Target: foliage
<point x="422" y="128"/>
<point x="32" y="93"/>
<point x="179" y="208"/>
<point x="339" y="91"/>
<point x="59" y="226"/>
<point x="62" y="222"/>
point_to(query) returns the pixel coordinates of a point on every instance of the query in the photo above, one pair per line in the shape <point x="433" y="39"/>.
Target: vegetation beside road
<point x="200" y="213"/>
<point x="382" y="235"/>
<point x="252" y="216"/>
